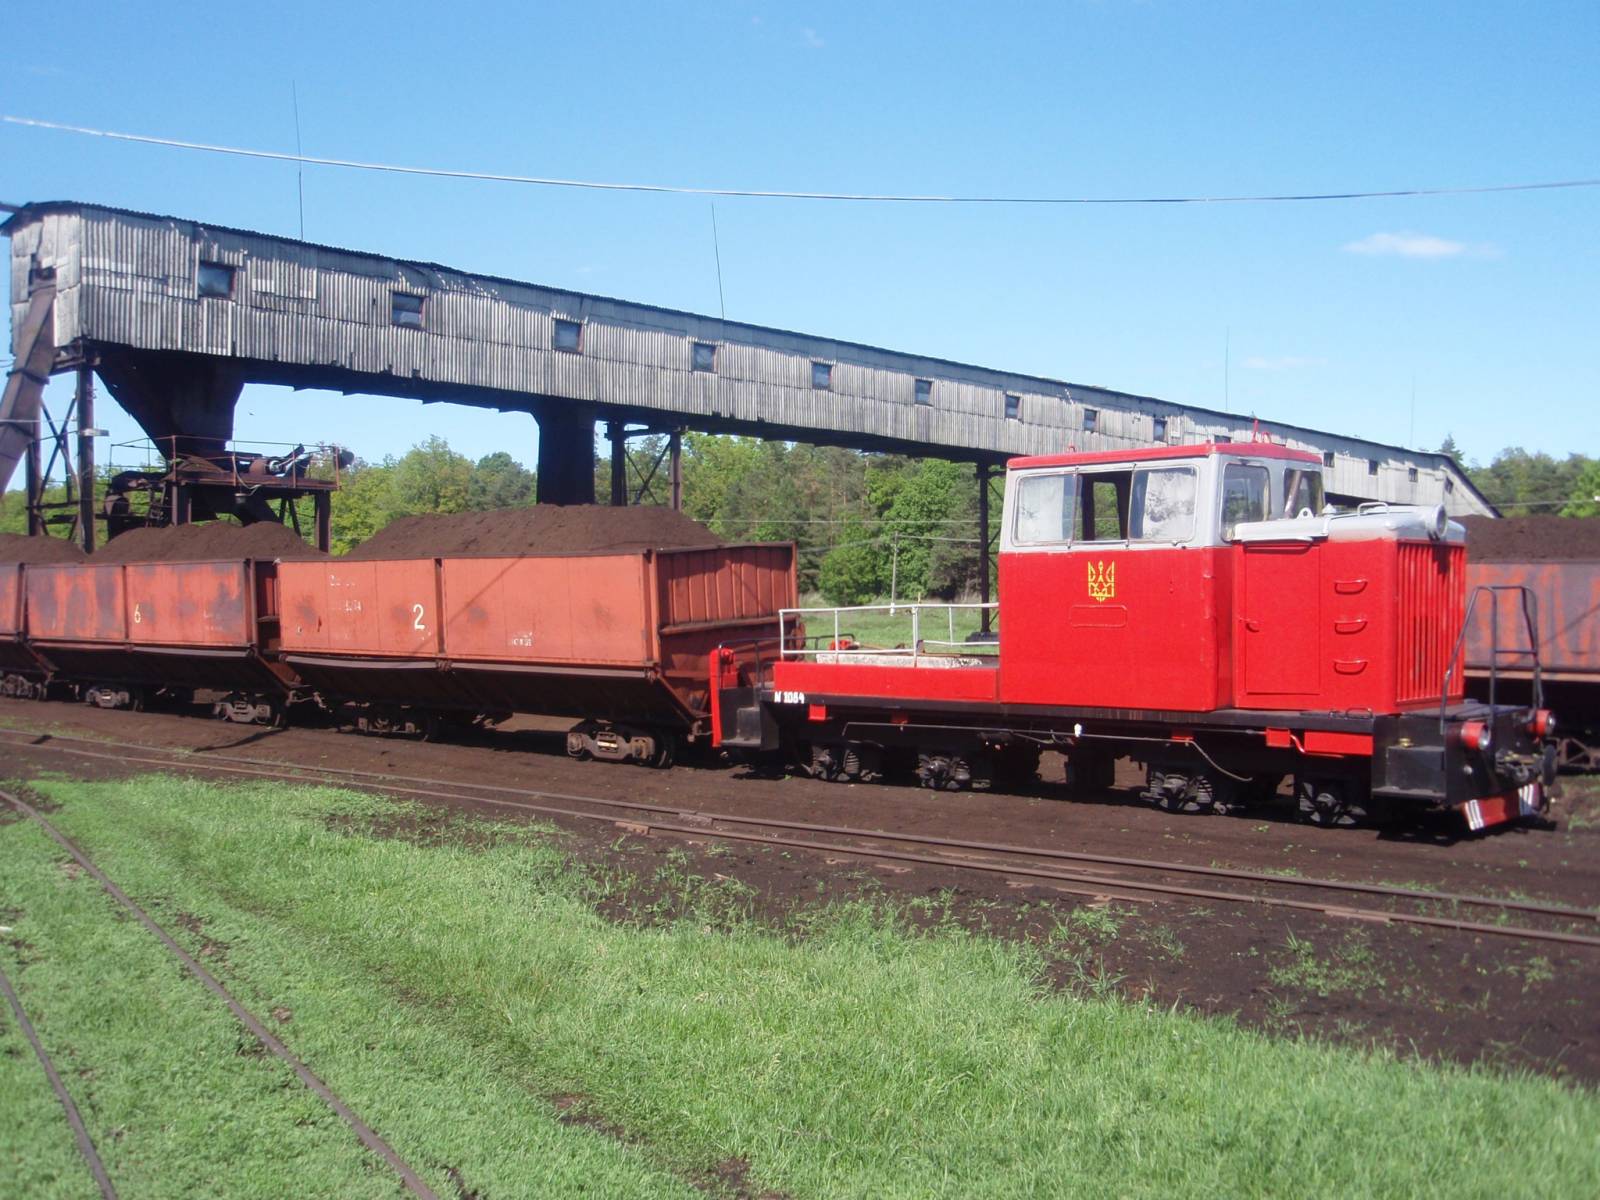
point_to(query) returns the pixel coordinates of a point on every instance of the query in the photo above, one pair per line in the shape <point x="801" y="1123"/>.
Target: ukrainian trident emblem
<point x="1102" y="580"/>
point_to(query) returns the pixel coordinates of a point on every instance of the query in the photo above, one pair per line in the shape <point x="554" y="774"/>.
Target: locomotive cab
<point x="1117" y="571"/>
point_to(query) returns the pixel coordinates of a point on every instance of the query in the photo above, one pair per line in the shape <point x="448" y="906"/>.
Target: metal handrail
<point x="913" y="650"/>
<point x="1530" y="620"/>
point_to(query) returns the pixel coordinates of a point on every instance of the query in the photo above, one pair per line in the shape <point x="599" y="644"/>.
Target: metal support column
<point x="566" y="453"/>
<point x="983" y="542"/>
<point x="675" y="448"/>
<point x="86" y="458"/>
<point x="619" y="463"/>
<point x="322" y="505"/>
<point x="34" y="474"/>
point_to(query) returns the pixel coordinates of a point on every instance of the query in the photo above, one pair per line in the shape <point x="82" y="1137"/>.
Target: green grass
<point x="1348" y="966"/>
<point x="448" y="987"/>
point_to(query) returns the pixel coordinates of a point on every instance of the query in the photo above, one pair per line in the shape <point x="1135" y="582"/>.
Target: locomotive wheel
<point x="1179" y="792"/>
<point x="1331" y="803"/>
<point x="845" y="762"/>
<point x="951" y="773"/>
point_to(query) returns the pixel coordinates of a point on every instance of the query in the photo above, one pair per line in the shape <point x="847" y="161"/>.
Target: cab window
<point x="1163" y="504"/>
<point x="1246" y="495"/>
<point x="1046" y="507"/>
<point x="1302" y="491"/>
<point x="1104" y="503"/>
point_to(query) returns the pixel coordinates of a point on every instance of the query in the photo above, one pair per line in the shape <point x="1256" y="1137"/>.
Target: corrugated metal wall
<point x="129" y="279"/>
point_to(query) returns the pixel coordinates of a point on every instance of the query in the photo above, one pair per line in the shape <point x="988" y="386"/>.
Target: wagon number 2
<point x="416" y="611"/>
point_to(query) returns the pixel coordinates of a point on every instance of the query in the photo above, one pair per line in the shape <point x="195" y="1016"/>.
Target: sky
<point x="1399" y="320"/>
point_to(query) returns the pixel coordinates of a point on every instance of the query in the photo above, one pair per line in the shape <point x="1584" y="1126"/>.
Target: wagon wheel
<point x="666" y="752"/>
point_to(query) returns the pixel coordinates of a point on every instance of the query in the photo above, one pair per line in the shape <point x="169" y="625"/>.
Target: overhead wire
<point x="775" y="193"/>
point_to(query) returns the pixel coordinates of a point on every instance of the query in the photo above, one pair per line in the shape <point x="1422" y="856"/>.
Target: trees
<point x="854" y="570"/>
<point x="1584" y="499"/>
<point x="1521" y="484"/>
<point x="430" y="478"/>
<point x="500" y="481"/>
<point x="361" y="506"/>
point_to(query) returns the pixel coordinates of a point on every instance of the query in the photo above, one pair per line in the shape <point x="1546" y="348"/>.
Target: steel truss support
<point x="645" y="467"/>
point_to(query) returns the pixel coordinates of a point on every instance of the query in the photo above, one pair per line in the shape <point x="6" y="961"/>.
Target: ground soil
<point x="537" y="529"/>
<point x="1434" y="993"/>
<point x="19" y="547"/>
<point x="206" y="541"/>
<point x="1532" y="539"/>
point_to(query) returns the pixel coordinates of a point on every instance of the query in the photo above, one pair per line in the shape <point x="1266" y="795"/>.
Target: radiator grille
<point x="1431" y="603"/>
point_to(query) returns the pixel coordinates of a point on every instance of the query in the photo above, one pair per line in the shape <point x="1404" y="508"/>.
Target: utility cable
<point x="778" y="194"/>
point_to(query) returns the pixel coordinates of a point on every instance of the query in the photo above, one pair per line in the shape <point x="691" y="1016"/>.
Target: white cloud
<point x="1417" y="245"/>
<point x="1284" y="362"/>
<point x="812" y="39"/>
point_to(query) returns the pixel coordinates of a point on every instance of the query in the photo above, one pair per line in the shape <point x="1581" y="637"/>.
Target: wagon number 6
<point x="416" y="611"/>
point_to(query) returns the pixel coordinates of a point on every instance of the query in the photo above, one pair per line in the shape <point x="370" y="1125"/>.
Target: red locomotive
<point x="1195" y="609"/>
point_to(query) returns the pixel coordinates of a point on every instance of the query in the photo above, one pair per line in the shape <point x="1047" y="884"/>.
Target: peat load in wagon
<point x="1532" y="539"/>
<point x="211" y="541"/>
<point x="538" y="529"/>
<point x="20" y="548"/>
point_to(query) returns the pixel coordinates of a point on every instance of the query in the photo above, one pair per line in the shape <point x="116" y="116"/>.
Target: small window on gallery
<point x="821" y="376"/>
<point x="567" y="335"/>
<point x="1013" y="407"/>
<point x="1091" y="420"/>
<point x="1224" y="439"/>
<point x="705" y="356"/>
<point x="215" y="279"/>
<point x="405" y="309"/>
<point x="1411" y="474"/>
<point x="924" y="391"/>
<point x="1158" y="428"/>
<point x="1327" y="458"/>
<point x="1372" y="466"/>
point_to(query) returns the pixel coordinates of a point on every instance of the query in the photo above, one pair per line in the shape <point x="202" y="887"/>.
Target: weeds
<point x="1350" y="967"/>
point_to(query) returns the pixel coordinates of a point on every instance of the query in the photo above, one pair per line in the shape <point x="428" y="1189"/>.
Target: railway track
<point x="368" y="1137"/>
<point x="1087" y="873"/>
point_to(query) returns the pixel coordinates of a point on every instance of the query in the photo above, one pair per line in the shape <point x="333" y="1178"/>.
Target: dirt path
<point x="1440" y="993"/>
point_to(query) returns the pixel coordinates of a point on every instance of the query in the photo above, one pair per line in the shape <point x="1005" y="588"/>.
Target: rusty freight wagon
<point x="1568" y="619"/>
<point x="616" y="640"/>
<point x="126" y="631"/>
<point x="22" y="673"/>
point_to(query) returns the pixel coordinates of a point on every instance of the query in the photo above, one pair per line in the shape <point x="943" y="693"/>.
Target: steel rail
<point x="1100" y="884"/>
<point x="369" y="1137"/>
<point x="80" y="1134"/>
<point x="1418" y="895"/>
